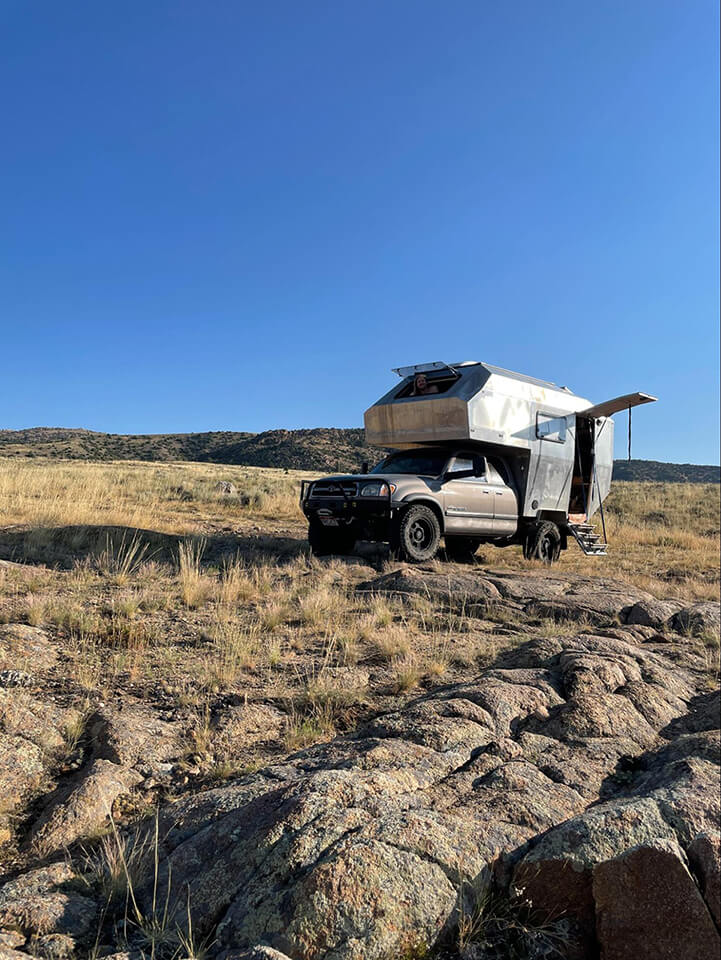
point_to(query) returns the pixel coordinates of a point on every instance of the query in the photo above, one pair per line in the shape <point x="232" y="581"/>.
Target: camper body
<point x="517" y="460"/>
<point x="538" y="427"/>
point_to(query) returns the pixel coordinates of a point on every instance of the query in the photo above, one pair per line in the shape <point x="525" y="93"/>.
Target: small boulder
<point x="86" y="808"/>
<point x="42" y="902"/>
<point x="699" y="618"/>
<point x="226" y="488"/>
<point x="246" y="725"/>
<point x="704" y="854"/>
<point x="652" y="613"/>
<point x="649" y="908"/>
<point x="25" y="647"/>
<point x="458" y="588"/>
<point x="53" y="946"/>
<point x="43" y="723"/>
<point x="556" y="875"/>
<point x="129" y="732"/>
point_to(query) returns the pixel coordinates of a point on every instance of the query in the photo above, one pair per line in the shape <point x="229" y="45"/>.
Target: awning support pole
<point x="600" y="499"/>
<point x="629" y="433"/>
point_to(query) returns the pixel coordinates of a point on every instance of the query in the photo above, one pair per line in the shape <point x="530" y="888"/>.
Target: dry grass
<point x="660" y="534"/>
<point x="166" y="497"/>
<point x="195" y="587"/>
<point x="408" y="674"/>
<point x="663" y="537"/>
<point x="235" y="648"/>
<point x="156" y="585"/>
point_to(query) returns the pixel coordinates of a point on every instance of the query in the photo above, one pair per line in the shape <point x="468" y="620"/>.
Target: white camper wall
<point x="504" y="411"/>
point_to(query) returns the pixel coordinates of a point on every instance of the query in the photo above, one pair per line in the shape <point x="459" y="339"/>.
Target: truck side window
<point x="550" y="428"/>
<point x="464" y="461"/>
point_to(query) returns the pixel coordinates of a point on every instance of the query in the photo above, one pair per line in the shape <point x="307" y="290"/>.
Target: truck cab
<point x="414" y="497"/>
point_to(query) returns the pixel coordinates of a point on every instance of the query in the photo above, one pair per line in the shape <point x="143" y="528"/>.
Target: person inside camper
<point x="422" y="387"/>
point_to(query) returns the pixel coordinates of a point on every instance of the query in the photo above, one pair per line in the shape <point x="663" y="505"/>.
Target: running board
<point x="588" y="540"/>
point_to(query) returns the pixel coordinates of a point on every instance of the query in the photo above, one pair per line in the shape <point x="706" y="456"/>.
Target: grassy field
<point x="165" y="589"/>
<point x="664" y="537"/>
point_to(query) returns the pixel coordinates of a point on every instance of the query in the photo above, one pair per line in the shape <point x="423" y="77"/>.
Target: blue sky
<point x="235" y="215"/>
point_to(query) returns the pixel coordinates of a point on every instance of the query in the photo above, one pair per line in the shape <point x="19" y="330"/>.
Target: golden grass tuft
<point x="196" y="588"/>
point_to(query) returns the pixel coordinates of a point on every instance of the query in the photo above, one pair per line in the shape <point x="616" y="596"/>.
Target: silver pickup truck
<point x="411" y="499"/>
<point x="480" y="454"/>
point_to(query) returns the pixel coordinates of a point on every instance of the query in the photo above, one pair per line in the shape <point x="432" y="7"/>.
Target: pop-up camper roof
<point x="476" y="401"/>
<point x="466" y="401"/>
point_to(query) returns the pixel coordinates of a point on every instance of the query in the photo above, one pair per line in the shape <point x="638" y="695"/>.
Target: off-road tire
<point x="419" y="534"/>
<point x="461" y="549"/>
<point x="543" y="543"/>
<point x="326" y="541"/>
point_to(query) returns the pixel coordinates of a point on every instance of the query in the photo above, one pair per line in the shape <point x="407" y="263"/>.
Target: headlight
<point x="376" y="489"/>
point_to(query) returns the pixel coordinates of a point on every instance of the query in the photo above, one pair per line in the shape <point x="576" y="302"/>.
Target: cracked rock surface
<point x="357" y="848"/>
<point x="577" y="775"/>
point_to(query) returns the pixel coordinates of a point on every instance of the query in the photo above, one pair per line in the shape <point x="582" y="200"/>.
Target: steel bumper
<point x="367" y="513"/>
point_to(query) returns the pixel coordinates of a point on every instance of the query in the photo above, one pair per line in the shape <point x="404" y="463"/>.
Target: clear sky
<point x="239" y="215"/>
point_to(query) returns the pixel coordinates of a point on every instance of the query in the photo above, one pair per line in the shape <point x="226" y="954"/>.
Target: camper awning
<point x="609" y="407"/>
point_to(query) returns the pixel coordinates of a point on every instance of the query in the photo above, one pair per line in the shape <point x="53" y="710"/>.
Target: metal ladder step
<point x="588" y="539"/>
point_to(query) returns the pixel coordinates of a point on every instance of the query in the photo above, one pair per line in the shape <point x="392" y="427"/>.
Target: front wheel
<point x="543" y="542"/>
<point x="419" y="534"/>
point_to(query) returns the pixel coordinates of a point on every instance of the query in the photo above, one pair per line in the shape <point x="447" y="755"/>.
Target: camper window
<point x="432" y="385"/>
<point x="550" y="428"/>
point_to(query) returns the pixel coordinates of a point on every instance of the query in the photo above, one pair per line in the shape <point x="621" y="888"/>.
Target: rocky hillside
<point x="562" y="801"/>
<point x="657" y="472"/>
<point x="321" y="449"/>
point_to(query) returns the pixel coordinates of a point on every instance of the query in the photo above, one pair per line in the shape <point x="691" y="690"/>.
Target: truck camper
<point x="479" y="454"/>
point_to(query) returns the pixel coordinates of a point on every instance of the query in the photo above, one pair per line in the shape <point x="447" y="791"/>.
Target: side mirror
<point x="479" y="466"/>
<point x="364" y="467"/>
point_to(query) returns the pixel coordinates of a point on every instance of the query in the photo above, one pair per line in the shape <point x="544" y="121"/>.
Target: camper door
<point x="551" y="464"/>
<point x="602" y="463"/>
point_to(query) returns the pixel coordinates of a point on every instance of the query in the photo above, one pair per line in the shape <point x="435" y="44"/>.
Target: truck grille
<point x="332" y="488"/>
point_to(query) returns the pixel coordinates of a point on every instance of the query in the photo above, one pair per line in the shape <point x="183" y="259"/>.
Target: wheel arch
<point x="560" y="519"/>
<point x="428" y="502"/>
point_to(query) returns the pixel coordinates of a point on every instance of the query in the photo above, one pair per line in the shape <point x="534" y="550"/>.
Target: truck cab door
<point x="505" y="501"/>
<point x="468" y="502"/>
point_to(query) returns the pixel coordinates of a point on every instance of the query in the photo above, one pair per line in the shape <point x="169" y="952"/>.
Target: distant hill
<point x="655" y="470"/>
<point x="322" y="449"/>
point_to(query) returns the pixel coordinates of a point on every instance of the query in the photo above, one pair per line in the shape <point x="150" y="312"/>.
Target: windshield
<point x="425" y="463"/>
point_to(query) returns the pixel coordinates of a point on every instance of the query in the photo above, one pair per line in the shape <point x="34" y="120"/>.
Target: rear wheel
<point x="419" y="534"/>
<point x="461" y="549"/>
<point x="543" y="542"/>
<point x="325" y="541"/>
